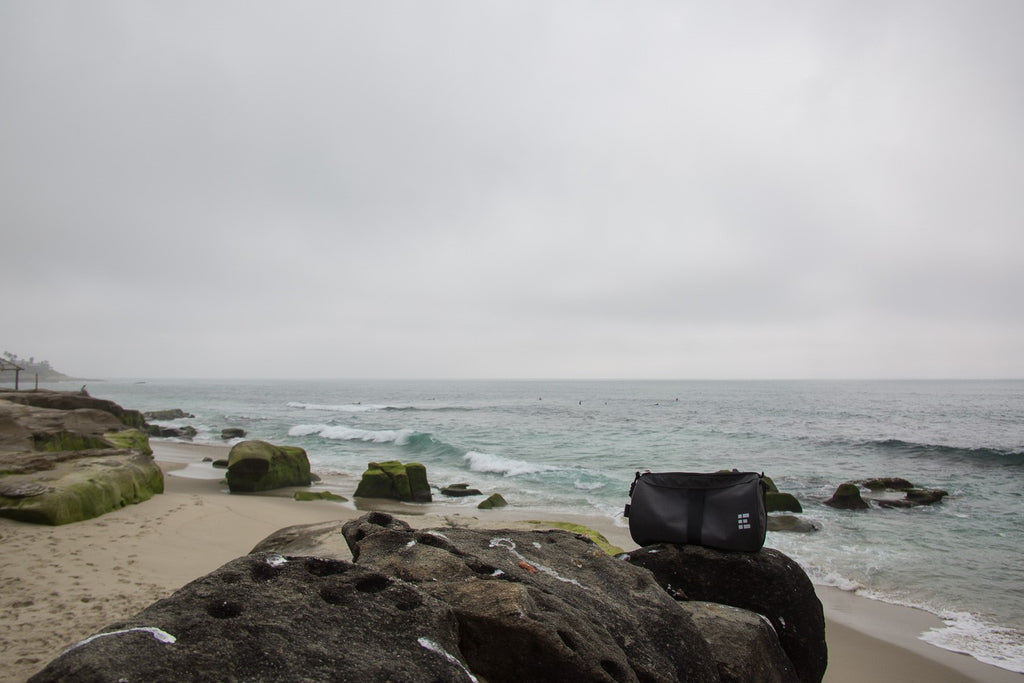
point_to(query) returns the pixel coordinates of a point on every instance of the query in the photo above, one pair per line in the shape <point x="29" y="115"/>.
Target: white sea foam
<point x="339" y="408"/>
<point x="399" y="437"/>
<point x="968" y="634"/>
<point x="835" y="580"/>
<point x="485" y="462"/>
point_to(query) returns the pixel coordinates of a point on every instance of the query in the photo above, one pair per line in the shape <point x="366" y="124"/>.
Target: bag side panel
<point x="657" y="514"/>
<point x="735" y="518"/>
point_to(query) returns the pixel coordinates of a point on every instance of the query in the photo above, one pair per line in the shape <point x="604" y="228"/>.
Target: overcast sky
<point x="517" y="189"/>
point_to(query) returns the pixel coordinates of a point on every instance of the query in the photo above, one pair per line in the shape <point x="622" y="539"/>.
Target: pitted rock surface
<point x="266" y="617"/>
<point x="541" y="605"/>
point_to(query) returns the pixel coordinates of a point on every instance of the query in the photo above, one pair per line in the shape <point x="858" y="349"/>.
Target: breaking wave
<point x="510" y="467"/>
<point x="399" y="437"/>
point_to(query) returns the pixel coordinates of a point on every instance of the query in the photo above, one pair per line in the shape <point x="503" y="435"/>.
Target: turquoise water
<point x="575" y="446"/>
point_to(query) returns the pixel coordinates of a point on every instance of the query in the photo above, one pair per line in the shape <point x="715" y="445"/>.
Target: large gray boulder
<point x="766" y="582"/>
<point x="437" y="605"/>
<point x="267" y="618"/>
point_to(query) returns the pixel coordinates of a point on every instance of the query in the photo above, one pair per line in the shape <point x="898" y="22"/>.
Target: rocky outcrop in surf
<point x="396" y="481"/>
<point x="456" y="604"/>
<point x="848" y="496"/>
<point x="260" y="466"/>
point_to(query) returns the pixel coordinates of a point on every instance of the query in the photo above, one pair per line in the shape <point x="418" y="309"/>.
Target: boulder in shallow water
<point x="495" y="500"/>
<point x="791" y="523"/>
<point x="847" y="497"/>
<point x="781" y="502"/>
<point x="391" y="479"/>
<point x="459" y="491"/>
<point x="232" y="433"/>
<point x="261" y="466"/>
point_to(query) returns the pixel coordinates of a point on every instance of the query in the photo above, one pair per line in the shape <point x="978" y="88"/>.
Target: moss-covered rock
<point x="67" y="441"/>
<point x="597" y="537"/>
<point x="82" y="489"/>
<point x="319" y="495"/>
<point x="492" y="501"/>
<point x="781" y="502"/>
<point x="391" y="479"/>
<point x="133" y="439"/>
<point x="261" y="466"/>
<point x="419" y="487"/>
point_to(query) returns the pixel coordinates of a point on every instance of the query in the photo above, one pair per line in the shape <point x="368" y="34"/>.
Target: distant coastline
<point x="31" y="370"/>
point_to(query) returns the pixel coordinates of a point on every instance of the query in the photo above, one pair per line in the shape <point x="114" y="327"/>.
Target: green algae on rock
<point x="81" y="489"/>
<point x="67" y="457"/>
<point x="260" y="466"/>
<point x="781" y="502"/>
<point x="597" y="537"/>
<point x="492" y="501"/>
<point x="318" y="495"/>
<point x="391" y="479"/>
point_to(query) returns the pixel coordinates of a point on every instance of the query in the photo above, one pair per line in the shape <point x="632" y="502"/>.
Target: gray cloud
<point x="514" y="189"/>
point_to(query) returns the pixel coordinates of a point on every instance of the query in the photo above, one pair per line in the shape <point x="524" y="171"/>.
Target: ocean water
<point x="575" y="446"/>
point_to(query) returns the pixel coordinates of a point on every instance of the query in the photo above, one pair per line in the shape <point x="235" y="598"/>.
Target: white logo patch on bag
<point x="743" y="520"/>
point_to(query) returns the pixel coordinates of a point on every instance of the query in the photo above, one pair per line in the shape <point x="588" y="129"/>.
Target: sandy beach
<point x="59" y="585"/>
